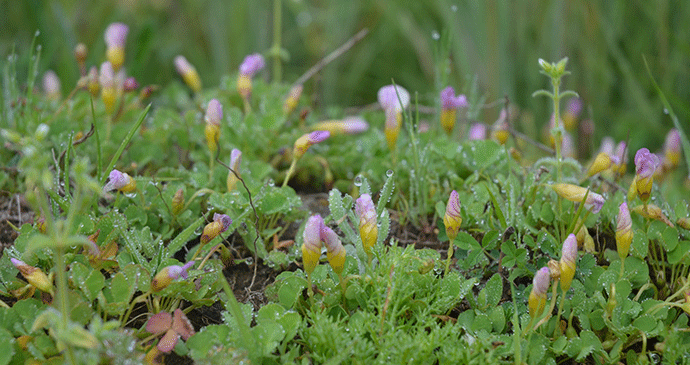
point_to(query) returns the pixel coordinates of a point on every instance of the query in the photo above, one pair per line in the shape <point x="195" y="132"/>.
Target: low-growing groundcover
<point x="231" y="225"/>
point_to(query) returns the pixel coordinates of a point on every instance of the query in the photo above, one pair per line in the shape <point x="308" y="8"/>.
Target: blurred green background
<point x="495" y="42"/>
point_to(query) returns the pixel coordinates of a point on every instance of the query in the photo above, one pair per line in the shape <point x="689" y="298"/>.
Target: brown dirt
<point x="14" y="211"/>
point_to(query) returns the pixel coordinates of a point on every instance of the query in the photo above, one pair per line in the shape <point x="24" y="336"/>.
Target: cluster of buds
<point x="214" y="114"/>
<point x="115" y="38"/>
<point x="449" y="104"/>
<point x="349" y="125"/>
<point x="537" y="297"/>
<point x="292" y="99"/>
<point x="249" y="67"/>
<point x="315" y="233"/>
<point x="646" y="164"/>
<point x="368" y="230"/>
<point x="34" y="276"/>
<point x="168" y="274"/>
<point x="393" y="99"/>
<point x="235" y="160"/>
<point x="188" y="73"/>
<point x="120" y="181"/>
<point x="624" y="233"/>
<point x="593" y="201"/>
<point x="174" y="326"/>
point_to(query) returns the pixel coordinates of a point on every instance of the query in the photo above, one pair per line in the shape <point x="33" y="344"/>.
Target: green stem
<point x="291" y="170"/>
<point x="277" y="27"/>
<point x="558" y="138"/>
<point x="450" y="256"/>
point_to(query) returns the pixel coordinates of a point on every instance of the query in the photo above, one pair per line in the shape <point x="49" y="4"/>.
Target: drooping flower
<point x="601" y="163"/>
<point x="250" y="66"/>
<point x="624" y="233"/>
<point x="188" y="73"/>
<point x="51" y="85"/>
<point x="621" y="153"/>
<point x="34" y="276"/>
<point x="672" y="149"/>
<point x="452" y="219"/>
<point x="651" y="211"/>
<point x="450" y="103"/>
<point x="220" y="224"/>
<point x="120" y="181"/>
<point x="576" y="194"/>
<point x="168" y="274"/>
<point x="646" y="164"/>
<point x="477" y="132"/>
<point x="393" y="99"/>
<point x="115" y="38"/>
<point x="311" y="246"/>
<point x="292" y="99"/>
<point x="568" y="261"/>
<point x="537" y="297"/>
<point x="349" y="125"/>
<point x="108" y="86"/>
<point x="368" y="230"/>
<point x="214" y="114"/>
<point x="174" y="326"/>
<point x="303" y="143"/>
<point x="235" y="160"/>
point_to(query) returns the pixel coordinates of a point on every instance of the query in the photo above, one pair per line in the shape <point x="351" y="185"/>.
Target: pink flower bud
<point x="252" y="64"/>
<point x="672" y="148"/>
<point x="107" y="75"/>
<point x="388" y="98"/>
<point x="119" y="181"/>
<point x="116" y="35"/>
<point x="51" y="85"/>
<point x="645" y="163"/>
<point x="303" y="143"/>
<point x="477" y="132"/>
<point x="214" y="112"/>
<point x="130" y="84"/>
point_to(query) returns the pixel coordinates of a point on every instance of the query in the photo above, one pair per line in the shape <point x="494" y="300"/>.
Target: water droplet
<point x="38" y="32"/>
<point x="454" y="8"/>
<point x="435" y="35"/>
<point x="131" y="195"/>
<point x="358" y="180"/>
<point x="665" y="111"/>
<point x="271" y="182"/>
<point x="389" y="173"/>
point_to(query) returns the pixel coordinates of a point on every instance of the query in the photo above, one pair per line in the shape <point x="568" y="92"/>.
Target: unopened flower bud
<point x="477" y="132"/>
<point x="646" y="164"/>
<point x="568" y="261"/>
<point x="235" y="160"/>
<point x="220" y="224"/>
<point x="214" y="114"/>
<point x="601" y="163"/>
<point x="92" y="83"/>
<point x="108" y="89"/>
<point x="624" y="233"/>
<point x="130" y="84"/>
<point x="393" y="99"/>
<point x="672" y="149"/>
<point x="178" y="202"/>
<point x="684" y="223"/>
<point x="115" y="38"/>
<point x="34" y="276"/>
<point x="594" y="202"/>
<point x="651" y="211"/>
<point x="303" y="143"/>
<point x="349" y="125"/>
<point x="311" y="246"/>
<point x="80" y="54"/>
<point x="335" y="252"/>
<point x="499" y="131"/>
<point x="537" y="297"/>
<point x="168" y="274"/>
<point x="188" y="73"/>
<point x="554" y="269"/>
<point x="292" y="99"/>
<point x="368" y="230"/>
<point x="250" y="66"/>
<point x="452" y="219"/>
<point x="450" y="103"/>
<point x="51" y="85"/>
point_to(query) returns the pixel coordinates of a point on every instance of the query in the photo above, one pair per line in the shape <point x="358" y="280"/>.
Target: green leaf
<point x="6" y="346"/>
<point x="645" y="323"/>
<point x="492" y="292"/>
<point x="466" y="242"/>
<point x="90" y="281"/>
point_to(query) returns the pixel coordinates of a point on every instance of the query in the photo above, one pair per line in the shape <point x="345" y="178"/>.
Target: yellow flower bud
<point x="335" y="252"/>
<point x="311" y="246"/>
<point x="178" y="202"/>
<point x="116" y="56"/>
<point x="652" y="211"/>
<point x="292" y="99"/>
<point x="601" y="163"/>
<point x="568" y="262"/>
<point x="537" y="297"/>
<point x="244" y="86"/>
<point x="34" y="276"/>
<point x="188" y="73"/>
<point x="452" y="219"/>
<point x="624" y="234"/>
<point x="212" y="133"/>
<point x="577" y="194"/>
<point x="448" y="120"/>
<point x="392" y="128"/>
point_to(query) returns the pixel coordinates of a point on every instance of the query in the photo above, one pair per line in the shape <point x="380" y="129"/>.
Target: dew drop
<point x="358" y="180"/>
<point x="271" y="182"/>
<point x="435" y="35"/>
<point x="454" y="8"/>
<point x="131" y="195"/>
<point x="38" y="32"/>
<point x="665" y="111"/>
<point x="389" y="173"/>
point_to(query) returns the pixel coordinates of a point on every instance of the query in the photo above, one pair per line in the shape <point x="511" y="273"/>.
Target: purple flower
<point x="252" y="64"/>
<point x="594" y="202"/>
<point x="388" y="98"/>
<point x="130" y="84"/>
<point x="116" y="181"/>
<point x="235" y="159"/>
<point x="214" y="112"/>
<point x="672" y="148"/>
<point x="569" y="250"/>
<point x="303" y="143"/>
<point x="449" y="101"/>
<point x="477" y="132"/>
<point x="620" y="152"/>
<point x="354" y="125"/>
<point x="116" y="35"/>
<point x="174" y="326"/>
<point x="224" y="219"/>
<point x="541" y="281"/>
<point x="183" y="66"/>
<point x="645" y="163"/>
<point x="364" y="206"/>
<point x="574" y="106"/>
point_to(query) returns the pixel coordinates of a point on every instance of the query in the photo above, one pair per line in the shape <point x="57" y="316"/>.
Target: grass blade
<point x="124" y="144"/>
